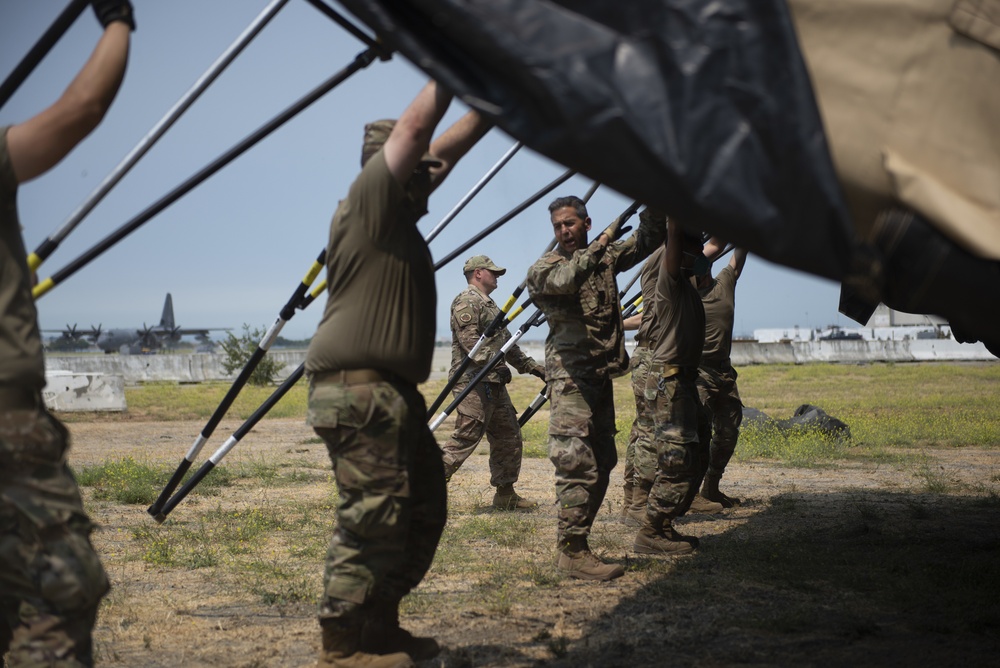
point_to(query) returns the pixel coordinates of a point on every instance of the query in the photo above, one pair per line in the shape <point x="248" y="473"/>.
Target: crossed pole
<point x="47" y="247"/>
<point x="545" y="392"/>
<point x="361" y="61"/>
<point x="501" y="320"/>
<point x="295" y="302"/>
<point x="41" y="48"/>
<point x="167" y="503"/>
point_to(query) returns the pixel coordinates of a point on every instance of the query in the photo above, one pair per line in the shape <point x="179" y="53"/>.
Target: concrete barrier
<point x="200" y="367"/>
<point x="68" y="391"/>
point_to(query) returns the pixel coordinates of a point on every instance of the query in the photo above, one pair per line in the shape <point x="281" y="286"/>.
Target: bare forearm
<point x="42" y="141"/>
<point x="632" y="322"/>
<point x="412" y="133"/>
<point x="455" y="142"/>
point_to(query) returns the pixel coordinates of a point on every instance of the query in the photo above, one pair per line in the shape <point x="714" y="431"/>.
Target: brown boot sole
<point x="580" y="575"/>
<point x="681" y="549"/>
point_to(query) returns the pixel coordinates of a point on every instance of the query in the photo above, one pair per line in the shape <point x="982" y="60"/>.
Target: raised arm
<point x="549" y="276"/>
<point x="455" y="142"/>
<point x="647" y="238"/>
<point x="713" y="249"/>
<point x="411" y="136"/>
<point x="737" y="261"/>
<point x="36" y="145"/>
<point x="672" y="256"/>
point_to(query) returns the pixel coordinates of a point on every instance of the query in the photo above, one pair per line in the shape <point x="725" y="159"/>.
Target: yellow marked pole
<point x="42" y="288"/>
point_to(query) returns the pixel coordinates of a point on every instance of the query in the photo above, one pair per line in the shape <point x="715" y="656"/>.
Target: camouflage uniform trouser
<point x="486" y="410"/>
<point x="393" y="503"/>
<point x="721" y="398"/>
<point x="641" y="436"/>
<point x="51" y="580"/>
<point x="681" y="443"/>
<point x="582" y="448"/>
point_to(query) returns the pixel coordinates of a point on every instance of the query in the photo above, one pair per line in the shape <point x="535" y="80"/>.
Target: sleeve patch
<point x="465" y="317"/>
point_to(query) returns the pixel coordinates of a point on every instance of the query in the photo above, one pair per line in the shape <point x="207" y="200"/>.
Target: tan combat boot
<point x="710" y="490"/>
<point x="702" y="506"/>
<point x="577" y="561"/>
<point x="507" y="499"/>
<point x="382" y="634"/>
<point x="658" y="537"/>
<point x="341" y="649"/>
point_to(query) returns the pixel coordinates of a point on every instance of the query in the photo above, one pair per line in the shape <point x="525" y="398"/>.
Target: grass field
<point x="867" y="544"/>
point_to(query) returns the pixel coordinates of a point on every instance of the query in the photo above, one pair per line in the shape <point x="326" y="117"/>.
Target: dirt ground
<point x="812" y="570"/>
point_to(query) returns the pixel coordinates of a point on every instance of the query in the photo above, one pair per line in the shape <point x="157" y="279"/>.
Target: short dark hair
<point x="571" y="201"/>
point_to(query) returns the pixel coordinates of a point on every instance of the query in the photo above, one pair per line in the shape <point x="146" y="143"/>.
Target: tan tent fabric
<point x="909" y="91"/>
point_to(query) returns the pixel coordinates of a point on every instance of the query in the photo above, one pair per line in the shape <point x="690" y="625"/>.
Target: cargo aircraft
<point x="141" y="340"/>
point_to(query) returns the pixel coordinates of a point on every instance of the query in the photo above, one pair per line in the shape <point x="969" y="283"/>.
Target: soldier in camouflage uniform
<point x="51" y="580"/>
<point x="574" y="285"/>
<point x="640" y="440"/>
<point x="716" y="375"/>
<point x="681" y="447"/>
<point x="488" y="408"/>
<point x="373" y="346"/>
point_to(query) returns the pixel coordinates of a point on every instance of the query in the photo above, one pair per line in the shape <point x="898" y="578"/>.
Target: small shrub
<point x="237" y="352"/>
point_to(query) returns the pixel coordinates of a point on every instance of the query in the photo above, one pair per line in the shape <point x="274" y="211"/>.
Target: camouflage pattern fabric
<point x="51" y="580"/>
<point x="720" y="397"/>
<point x="486" y="410"/>
<point x="471" y="313"/>
<point x="681" y="444"/>
<point x="641" y="436"/>
<point x="579" y="295"/>
<point x="390" y="478"/>
<point x="582" y="448"/>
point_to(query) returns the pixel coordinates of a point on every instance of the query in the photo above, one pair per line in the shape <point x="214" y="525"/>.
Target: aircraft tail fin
<point x="167" y="319"/>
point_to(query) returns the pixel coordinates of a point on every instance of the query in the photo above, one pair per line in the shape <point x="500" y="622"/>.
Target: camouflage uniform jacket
<point x="471" y="313"/>
<point x="579" y="295"/>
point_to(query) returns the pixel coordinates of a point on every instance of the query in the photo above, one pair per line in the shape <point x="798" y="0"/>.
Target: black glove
<point x="503" y="373"/>
<point x="109" y="11"/>
<point x="538" y="371"/>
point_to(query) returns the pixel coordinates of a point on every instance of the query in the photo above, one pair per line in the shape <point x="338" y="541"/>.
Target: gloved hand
<point x="538" y="371"/>
<point x="109" y="11"/>
<point x="504" y="373"/>
<point x="616" y="231"/>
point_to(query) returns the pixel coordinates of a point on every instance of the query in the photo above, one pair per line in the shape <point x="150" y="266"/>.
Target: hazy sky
<point x="234" y="248"/>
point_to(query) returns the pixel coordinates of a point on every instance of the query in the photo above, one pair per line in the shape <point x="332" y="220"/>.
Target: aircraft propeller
<point x="146" y="335"/>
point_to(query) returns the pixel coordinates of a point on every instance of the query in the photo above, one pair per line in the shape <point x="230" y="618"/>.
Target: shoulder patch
<point x="465" y="317"/>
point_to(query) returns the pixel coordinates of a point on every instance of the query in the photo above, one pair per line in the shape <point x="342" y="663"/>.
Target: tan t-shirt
<point x="649" y="326"/>
<point x="682" y="319"/>
<point x="720" y="308"/>
<point x="381" y="296"/>
<point x="21" y="361"/>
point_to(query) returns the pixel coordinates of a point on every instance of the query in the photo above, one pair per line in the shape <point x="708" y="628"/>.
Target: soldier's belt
<point x="355" y="376"/>
<point x="19" y="398"/>
<point x="665" y="371"/>
<point x="717" y="365"/>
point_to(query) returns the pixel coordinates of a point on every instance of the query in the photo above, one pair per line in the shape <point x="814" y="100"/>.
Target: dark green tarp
<point x="701" y="107"/>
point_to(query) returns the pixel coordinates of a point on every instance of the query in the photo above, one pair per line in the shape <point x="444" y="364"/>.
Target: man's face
<point x="487" y="279"/>
<point x="570" y="229"/>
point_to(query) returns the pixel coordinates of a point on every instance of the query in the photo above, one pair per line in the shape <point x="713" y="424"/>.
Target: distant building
<point x="884" y="325"/>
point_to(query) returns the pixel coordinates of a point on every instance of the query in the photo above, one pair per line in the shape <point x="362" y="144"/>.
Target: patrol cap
<point x="376" y="134"/>
<point x="482" y="262"/>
